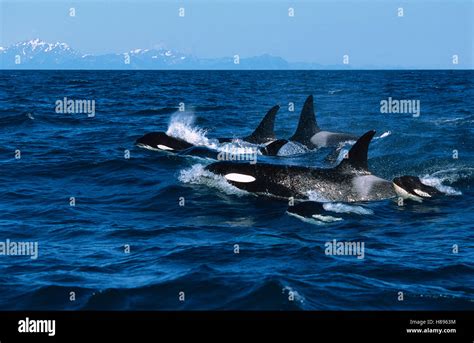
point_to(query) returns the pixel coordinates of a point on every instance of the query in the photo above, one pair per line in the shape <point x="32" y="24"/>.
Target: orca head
<point x="241" y="173"/>
<point x="161" y="141"/>
<point x="411" y="187"/>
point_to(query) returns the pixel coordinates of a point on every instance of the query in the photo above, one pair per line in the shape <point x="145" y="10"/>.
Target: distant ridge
<point x="39" y="54"/>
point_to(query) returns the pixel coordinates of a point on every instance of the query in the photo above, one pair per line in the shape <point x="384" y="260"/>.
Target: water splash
<point x="199" y="175"/>
<point x="292" y="148"/>
<point x="182" y="126"/>
<point x="437" y="182"/>
<point x="338" y="207"/>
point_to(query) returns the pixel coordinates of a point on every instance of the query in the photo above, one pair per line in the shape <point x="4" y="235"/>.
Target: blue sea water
<point x="281" y="264"/>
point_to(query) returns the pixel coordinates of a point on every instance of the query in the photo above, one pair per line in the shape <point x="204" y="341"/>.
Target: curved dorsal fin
<point x="307" y="126"/>
<point x="265" y="130"/>
<point x="357" y="157"/>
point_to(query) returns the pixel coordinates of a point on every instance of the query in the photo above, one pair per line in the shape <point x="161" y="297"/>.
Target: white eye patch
<point x="164" y="147"/>
<point x="421" y="193"/>
<point x="236" y="177"/>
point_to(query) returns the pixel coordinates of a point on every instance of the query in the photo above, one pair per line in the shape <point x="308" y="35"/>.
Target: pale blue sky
<point x="370" y="32"/>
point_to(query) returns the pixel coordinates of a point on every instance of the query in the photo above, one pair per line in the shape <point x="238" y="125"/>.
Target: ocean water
<point x="281" y="262"/>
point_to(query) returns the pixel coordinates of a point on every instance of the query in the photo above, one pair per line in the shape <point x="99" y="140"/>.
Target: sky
<point x="370" y="32"/>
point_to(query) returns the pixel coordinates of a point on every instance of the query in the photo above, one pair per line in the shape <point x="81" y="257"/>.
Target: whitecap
<point x="182" y="126"/>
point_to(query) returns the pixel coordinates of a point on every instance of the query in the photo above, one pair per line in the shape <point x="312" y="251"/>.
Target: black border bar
<point x="356" y="325"/>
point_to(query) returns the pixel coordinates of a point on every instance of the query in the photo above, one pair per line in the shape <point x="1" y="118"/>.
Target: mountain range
<point x="38" y="54"/>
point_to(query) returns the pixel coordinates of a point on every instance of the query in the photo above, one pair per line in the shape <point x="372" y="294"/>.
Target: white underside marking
<point x="314" y="219"/>
<point x="268" y="143"/>
<point x="326" y="219"/>
<point x="144" y="146"/>
<point x="164" y="147"/>
<point x="405" y="195"/>
<point x="421" y="193"/>
<point x="239" y="178"/>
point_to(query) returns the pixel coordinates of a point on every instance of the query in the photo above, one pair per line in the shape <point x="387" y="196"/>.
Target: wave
<point x="164" y="110"/>
<point x="451" y="176"/>
<point x="338" y="207"/>
<point x="458" y="121"/>
<point x="16" y="119"/>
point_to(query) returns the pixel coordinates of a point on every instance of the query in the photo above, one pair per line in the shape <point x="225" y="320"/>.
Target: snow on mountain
<point x="39" y="54"/>
<point x="36" y="46"/>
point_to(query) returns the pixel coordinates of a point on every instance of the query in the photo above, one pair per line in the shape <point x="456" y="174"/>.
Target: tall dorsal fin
<point x="357" y="157"/>
<point x="265" y="130"/>
<point x="307" y="126"/>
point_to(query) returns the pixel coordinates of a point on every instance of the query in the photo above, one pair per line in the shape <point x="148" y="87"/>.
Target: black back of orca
<point x="350" y="181"/>
<point x="161" y="141"/>
<point x="264" y="132"/>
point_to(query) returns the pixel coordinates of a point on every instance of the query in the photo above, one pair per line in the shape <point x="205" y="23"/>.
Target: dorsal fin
<point x="357" y="157"/>
<point x="307" y="126"/>
<point x="265" y="130"/>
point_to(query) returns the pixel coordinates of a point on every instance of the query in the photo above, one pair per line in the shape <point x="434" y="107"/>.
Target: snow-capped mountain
<point x="38" y="54"/>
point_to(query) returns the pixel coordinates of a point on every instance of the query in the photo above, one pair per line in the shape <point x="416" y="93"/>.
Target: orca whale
<point x="263" y="134"/>
<point x="161" y="141"/>
<point x="309" y="134"/>
<point x="350" y="181"/>
<point x="411" y="187"/>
